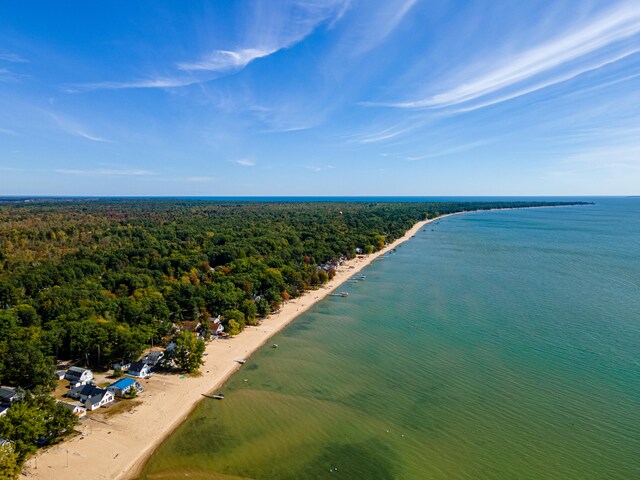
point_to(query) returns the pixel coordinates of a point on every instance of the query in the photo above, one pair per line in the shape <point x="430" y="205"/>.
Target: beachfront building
<point x="82" y="392"/>
<point x="77" y="410"/>
<point x="124" y="366"/>
<point x="102" y="399"/>
<point x="139" y="370"/>
<point x="78" y="376"/>
<point x="124" y="386"/>
<point x="216" y="323"/>
<point x="90" y="396"/>
<point x="153" y="358"/>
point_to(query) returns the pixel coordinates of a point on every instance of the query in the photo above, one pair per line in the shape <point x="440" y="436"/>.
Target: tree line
<point x="98" y="280"/>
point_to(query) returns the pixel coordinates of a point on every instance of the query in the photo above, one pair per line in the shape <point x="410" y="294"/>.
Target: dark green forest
<point x="98" y="280"/>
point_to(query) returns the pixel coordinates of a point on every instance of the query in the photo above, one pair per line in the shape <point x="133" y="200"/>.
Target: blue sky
<point x="320" y="97"/>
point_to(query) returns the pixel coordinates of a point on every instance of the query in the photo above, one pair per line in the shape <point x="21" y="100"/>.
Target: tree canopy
<point x="97" y="280"/>
<point x="188" y="351"/>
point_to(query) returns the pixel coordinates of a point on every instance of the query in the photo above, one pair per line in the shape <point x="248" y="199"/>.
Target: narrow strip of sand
<point x="115" y="448"/>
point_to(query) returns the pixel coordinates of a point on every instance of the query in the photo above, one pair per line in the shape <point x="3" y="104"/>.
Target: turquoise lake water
<point x="493" y="345"/>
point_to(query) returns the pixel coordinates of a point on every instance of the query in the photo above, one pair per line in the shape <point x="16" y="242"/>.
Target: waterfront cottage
<point x="124" y="386"/>
<point x="139" y="370"/>
<point x="124" y="366"/>
<point x="78" y="376"/>
<point x="100" y="400"/>
<point x="77" y="410"/>
<point x="90" y="396"/>
<point x="153" y="358"/>
<point x="82" y="392"/>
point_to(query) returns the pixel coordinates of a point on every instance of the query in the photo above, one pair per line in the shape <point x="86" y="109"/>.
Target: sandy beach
<point x="116" y="447"/>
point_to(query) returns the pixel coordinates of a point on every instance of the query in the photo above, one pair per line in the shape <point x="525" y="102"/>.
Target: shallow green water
<point x="496" y="345"/>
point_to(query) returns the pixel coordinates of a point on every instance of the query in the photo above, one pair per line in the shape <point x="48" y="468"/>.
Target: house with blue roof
<point x="123" y="386"/>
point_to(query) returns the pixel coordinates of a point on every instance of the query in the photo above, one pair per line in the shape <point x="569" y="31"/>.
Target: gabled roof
<point x="86" y="390"/>
<point x="95" y="400"/>
<point x="75" y="372"/>
<point x="70" y="406"/>
<point x="123" y="383"/>
<point x="137" y="366"/>
<point x="78" y="370"/>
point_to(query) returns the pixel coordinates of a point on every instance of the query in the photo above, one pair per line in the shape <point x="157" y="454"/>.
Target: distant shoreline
<point x="119" y="448"/>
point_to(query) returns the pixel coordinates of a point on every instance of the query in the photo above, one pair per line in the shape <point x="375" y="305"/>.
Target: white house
<point x="82" y="392"/>
<point x="79" y="376"/>
<point x="124" y="366"/>
<point x="77" y="410"/>
<point x="139" y="369"/>
<point x="99" y="400"/>
<point x="91" y="396"/>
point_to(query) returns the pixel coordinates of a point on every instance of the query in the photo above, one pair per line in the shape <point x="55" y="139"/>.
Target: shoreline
<point x="117" y="448"/>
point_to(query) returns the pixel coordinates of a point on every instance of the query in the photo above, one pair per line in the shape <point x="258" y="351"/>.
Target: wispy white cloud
<point x="346" y="5"/>
<point x="13" y="58"/>
<point x="591" y="44"/>
<point x="245" y="162"/>
<point x="270" y="28"/>
<point x="7" y="75"/>
<point x="386" y="134"/>
<point x="74" y="128"/>
<point x="371" y="24"/>
<point x="8" y="131"/>
<point x="555" y="81"/>
<point x="160" y="82"/>
<point x="224" y="60"/>
<point x="106" y="172"/>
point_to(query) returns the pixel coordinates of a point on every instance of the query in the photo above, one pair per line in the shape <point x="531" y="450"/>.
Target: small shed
<point x="77" y="410"/>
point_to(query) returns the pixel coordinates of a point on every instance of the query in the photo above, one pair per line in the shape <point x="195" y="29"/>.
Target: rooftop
<point x="123" y="383"/>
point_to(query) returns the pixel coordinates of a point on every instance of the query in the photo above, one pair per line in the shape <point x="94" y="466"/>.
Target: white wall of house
<point x="106" y="399"/>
